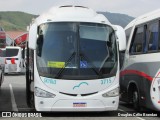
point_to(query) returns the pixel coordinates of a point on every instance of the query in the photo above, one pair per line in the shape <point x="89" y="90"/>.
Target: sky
<point x="133" y="8"/>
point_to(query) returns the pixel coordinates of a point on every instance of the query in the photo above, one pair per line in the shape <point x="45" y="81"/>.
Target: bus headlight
<point x="41" y="93"/>
<point x="112" y="93"/>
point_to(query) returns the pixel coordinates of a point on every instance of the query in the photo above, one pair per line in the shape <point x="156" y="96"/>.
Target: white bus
<point x="140" y="74"/>
<point x="73" y="62"/>
<point x="14" y="60"/>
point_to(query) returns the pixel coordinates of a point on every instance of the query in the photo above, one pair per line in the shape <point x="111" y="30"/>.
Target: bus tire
<point x="31" y="100"/>
<point x="1" y="81"/>
<point x="29" y="93"/>
<point x="135" y="99"/>
<point x="27" y="90"/>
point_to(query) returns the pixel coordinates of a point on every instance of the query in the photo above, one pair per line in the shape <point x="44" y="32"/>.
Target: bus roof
<point x="71" y="13"/>
<point x="144" y="18"/>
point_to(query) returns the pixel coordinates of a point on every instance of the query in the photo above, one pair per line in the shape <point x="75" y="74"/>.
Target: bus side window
<point x="137" y="41"/>
<point x="40" y="43"/>
<point x="145" y="35"/>
<point x="153" y="36"/>
<point x="128" y="32"/>
<point x="159" y="35"/>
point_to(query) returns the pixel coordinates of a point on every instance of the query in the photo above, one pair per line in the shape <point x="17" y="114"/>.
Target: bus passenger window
<point x="40" y="43"/>
<point x="128" y="32"/>
<point x="137" y="43"/>
<point x="153" y="36"/>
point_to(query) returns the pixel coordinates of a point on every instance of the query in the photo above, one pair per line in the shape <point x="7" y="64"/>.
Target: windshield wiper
<point x="66" y="63"/>
<point x="58" y="75"/>
<point x="93" y="66"/>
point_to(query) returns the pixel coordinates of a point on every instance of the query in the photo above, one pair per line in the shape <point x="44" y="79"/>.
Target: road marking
<point x="14" y="105"/>
<point x="136" y="117"/>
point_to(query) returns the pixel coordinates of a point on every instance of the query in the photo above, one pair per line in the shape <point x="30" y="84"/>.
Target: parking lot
<point x="13" y="98"/>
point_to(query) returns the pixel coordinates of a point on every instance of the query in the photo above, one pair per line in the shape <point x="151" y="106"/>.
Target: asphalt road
<point x="13" y="98"/>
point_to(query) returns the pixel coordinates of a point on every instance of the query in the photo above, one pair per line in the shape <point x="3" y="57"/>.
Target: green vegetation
<point x="16" y="21"/>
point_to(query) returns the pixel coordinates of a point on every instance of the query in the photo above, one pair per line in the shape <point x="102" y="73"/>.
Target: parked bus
<point x="73" y="61"/>
<point x="140" y="74"/>
<point x="14" y="60"/>
<point x="2" y="53"/>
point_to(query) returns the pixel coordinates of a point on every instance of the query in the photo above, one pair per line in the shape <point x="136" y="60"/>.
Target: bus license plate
<point x="79" y="104"/>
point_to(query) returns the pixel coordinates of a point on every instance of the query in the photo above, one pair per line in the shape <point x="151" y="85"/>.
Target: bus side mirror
<point x="32" y="37"/>
<point x="121" y="37"/>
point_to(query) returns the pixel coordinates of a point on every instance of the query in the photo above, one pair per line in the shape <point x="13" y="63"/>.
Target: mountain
<point x="117" y="18"/>
<point x="18" y="21"/>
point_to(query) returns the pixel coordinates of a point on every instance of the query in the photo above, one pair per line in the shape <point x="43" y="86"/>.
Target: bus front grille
<point x="77" y="94"/>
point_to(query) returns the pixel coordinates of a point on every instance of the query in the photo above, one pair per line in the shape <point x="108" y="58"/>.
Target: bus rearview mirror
<point x="32" y="37"/>
<point x="121" y="37"/>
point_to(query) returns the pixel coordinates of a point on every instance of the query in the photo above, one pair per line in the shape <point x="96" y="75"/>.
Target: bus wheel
<point x="135" y="99"/>
<point x="32" y="100"/>
<point x="1" y="79"/>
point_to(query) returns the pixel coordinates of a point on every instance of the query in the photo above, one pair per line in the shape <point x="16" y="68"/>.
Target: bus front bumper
<point x="91" y="104"/>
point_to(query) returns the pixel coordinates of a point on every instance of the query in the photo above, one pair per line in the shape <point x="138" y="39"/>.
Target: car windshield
<point x="11" y="52"/>
<point x="76" y="50"/>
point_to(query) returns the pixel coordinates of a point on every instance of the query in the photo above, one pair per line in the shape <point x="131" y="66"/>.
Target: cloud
<point x="130" y="7"/>
<point x="8" y="5"/>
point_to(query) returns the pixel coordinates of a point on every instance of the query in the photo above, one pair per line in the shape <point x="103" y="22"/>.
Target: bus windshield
<point x="76" y="50"/>
<point x="11" y="52"/>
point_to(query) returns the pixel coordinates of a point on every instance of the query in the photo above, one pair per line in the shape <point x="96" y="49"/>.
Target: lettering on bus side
<point x="49" y="81"/>
<point x="106" y="81"/>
